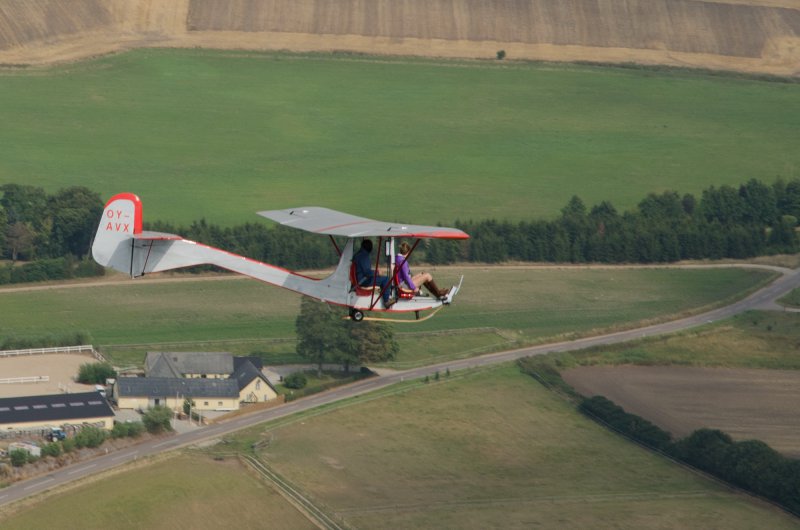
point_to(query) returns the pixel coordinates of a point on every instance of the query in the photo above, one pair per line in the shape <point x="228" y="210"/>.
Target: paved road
<point x="762" y="299"/>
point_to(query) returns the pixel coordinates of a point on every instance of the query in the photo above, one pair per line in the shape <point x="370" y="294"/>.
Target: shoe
<point x="390" y="303"/>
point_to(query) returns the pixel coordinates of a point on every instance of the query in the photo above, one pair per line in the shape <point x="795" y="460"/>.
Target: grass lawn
<point x="498" y="308"/>
<point x="792" y="299"/>
<point x="756" y="339"/>
<point x="221" y="134"/>
<point x="179" y="493"/>
<point x="457" y="454"/>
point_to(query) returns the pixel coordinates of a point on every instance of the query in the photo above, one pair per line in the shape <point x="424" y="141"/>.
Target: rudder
<point x="113" y="242"/>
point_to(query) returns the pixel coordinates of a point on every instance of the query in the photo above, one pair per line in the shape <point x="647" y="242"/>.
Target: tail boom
<point x="122" y="245"/>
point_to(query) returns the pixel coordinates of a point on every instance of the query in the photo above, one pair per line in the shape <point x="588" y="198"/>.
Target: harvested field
<point x="745" y="403"/>
<point x="62" y="368"/>
<point x="753" y="36"/>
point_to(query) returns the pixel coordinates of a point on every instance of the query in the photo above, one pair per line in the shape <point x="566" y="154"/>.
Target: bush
<point x="157" y="419"/>
<point x="19" y="457"/>
<point x="52" y="449"/>
<point x="295" y="380"/>
<point x="68" y="445"/>
<point x="135" y="429"/>
<point x="122" y="430"/>
<point x="90" y="437"/>
<point x="95" y="373"/>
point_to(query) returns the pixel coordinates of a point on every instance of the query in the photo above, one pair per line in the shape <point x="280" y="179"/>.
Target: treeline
<point x="751" y="464"/>
<point x="36" y="225"/>
<point x="52" y="234"/>
<point x="50" y="269"/>
<point x="724" y="222"/>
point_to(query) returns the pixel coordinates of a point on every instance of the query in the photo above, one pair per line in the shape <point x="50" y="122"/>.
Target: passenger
<point x="413" y="282"/>
<point x="365" y="276"/>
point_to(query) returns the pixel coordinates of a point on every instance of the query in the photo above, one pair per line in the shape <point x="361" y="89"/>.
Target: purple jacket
<point x="404" y="274"/>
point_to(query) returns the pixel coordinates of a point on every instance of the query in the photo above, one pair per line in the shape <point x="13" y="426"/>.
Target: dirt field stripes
<point x="548" y="499"/>
<point x="641" y="24"/>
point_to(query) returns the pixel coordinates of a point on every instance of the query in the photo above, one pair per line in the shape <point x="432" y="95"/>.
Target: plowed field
<point x="745" y="403"/>
<point x="754" y="35"/>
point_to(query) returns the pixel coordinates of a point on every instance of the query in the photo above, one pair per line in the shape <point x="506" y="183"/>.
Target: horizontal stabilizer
<point x="157" y="236"/>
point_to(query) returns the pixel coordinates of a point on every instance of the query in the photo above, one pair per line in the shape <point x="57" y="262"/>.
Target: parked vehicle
<point x="56" y="434"/>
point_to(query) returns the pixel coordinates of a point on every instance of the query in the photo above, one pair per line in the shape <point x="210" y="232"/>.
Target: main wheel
<point x="357" y="315"/>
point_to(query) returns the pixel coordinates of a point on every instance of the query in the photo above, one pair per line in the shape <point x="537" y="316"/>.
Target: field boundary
<point x="31" y="379"/>
<point x="314" y="513"/>
<point x="57" y="349"/>
<point x="40" y="351"/>
<point x="688" y="466"/>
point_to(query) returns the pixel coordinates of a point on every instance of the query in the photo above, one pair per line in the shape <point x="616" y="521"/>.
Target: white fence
<point x="30" y="379"/>
<point x="39" y="351"/>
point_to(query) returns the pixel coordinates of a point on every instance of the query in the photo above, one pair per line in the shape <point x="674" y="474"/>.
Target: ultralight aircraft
<point x="121" y="244"/>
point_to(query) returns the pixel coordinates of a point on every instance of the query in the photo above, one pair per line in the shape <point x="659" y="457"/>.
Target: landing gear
<point x="356" y="315"/>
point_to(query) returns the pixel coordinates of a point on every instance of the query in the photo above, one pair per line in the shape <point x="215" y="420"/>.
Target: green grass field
<point x="220" y="135"/>
<point x="179" y="493"/>
<point x="457" y="455"/>
<point x="452" y="454"/>
<point x="498" y="308"/>
<point x="756" y="339"/>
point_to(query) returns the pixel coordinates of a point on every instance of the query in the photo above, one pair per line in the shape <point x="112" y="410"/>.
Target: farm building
<point x="204" y="365"/>
<point x="34" y="412"/>
<point x="216" y="381"/>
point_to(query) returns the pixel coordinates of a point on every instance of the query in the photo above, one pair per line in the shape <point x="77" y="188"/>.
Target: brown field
<point x="745" y="35"/>
<point x="60" y="367"/>
<point x="745" y="403"/>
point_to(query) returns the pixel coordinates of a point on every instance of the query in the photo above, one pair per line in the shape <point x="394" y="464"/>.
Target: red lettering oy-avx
<point x="117" y="227"/>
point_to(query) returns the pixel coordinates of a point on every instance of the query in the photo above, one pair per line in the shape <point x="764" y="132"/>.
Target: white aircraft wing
<point x="331" y="222"/>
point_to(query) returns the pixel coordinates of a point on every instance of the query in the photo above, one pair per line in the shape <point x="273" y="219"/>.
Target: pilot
<point x="366" y="276"/>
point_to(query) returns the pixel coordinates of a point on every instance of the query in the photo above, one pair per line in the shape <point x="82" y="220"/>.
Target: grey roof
<point x="245" y="374"/>
<point x="177" y="364"/>
<point x="56" y="408"/>
<point x="256" y="361"/>
<point x="162" y="387"/>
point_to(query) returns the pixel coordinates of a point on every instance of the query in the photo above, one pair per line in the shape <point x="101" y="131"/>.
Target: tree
<point x="367" y="342"/>
<point x="319" y="332"/>
<point x="667" y="206"/>
<point x="24" y="204"/>
<point x="19" y="240"/>
<point x="296" y="380"/>
<point x="3" y="229"/>
<point x="723" y="204"/>
<point x="74" y="213"/>
<point x="783" y="237"/>
<point x="759" y="202"/>
<point x="157" y="419"/>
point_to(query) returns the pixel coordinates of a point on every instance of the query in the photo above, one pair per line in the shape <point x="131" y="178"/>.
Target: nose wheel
<point x="356" y="315"/>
